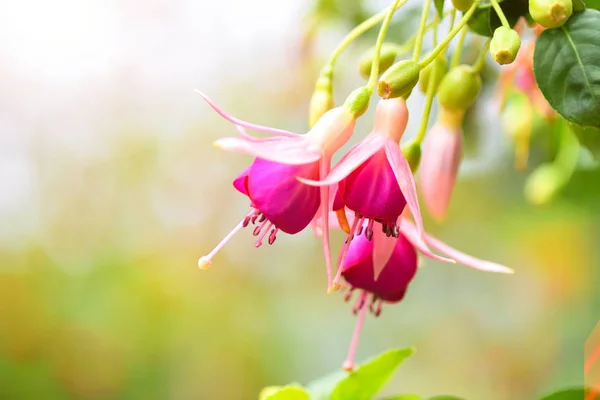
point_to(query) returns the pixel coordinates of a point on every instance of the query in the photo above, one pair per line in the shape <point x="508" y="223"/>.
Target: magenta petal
<point x="383" y="247"/>
<point x="241" y="182"/>
<point x="275" y="191"/>
<point x="406" y="181"/>
<point x="372" y="190"/>
<point x="352" y="160"/>
<point x="394" y="279"/>
<point x="292" y="151"/>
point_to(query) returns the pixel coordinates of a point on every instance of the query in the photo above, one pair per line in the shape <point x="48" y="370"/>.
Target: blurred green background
<point x="110" y="190"/>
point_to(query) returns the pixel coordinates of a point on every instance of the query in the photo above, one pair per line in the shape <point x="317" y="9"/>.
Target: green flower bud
<point x="322" y="98"/>
<point x="358" y="101"/>
<point x="544" y="184"/>
<point x="505" y="45"/>
<point x="550" y="13"/>
<point x="412" y="153"/>
<point x="459" y="88"/>
<point x="462" y="5"/>
<point x="434" y="72"/>
<point x="399" y="80"/>
<point x="387" y="56"/>
<point x="268" y="391"/>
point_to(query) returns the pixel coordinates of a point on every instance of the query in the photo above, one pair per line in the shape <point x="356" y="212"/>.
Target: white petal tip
<point x="204" y="263"/>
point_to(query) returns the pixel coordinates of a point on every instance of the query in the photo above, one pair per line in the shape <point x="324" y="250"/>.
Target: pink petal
<point x="406" y="181"/>
<point x="241" y="181"/>
<point x="383" y="247"/>
<point x="409" y="230"/>
<point x="466" y="259"/>
<point x="356" y="156"/>
<point x="278" y="149"/>
<point x="248" y="125"/>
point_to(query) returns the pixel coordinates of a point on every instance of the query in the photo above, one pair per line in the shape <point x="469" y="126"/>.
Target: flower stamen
<point x="349" y="363"/>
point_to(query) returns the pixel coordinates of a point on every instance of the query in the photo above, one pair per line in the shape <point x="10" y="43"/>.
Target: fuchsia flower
<point x="359" y="271"/>
<point x="442" y="154"/>
<point x="374" y="180"/>
<point x="278" y="200"/>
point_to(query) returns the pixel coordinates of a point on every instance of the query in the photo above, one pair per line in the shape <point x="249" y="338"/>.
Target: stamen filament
<point x="336" y="281"/>
<point x="262" y="236"/>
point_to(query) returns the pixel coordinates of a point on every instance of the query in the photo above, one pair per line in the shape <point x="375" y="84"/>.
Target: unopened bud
<point x="550" y="13"/>
<point x="399" y="80"/>
<point x="358" y="101"/>
<point x="544" y="184"/>
<point x="387" y="56"/>
<point x="322" y="98"/>
<point x="433" y="73"/>
<point x="412" y="153"/>
<point x="459" y="88"/>
<point x="462" y="5"/>
<point x="505" y="45"/>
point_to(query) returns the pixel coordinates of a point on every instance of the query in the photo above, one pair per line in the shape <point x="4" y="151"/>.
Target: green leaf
<point x="321" y="389"/>
<point x="595" y="4"/>
<point x="570" y="394"/>
<point x="589" y="137"/>
<point x="284" y="393"/>
<point x="485" y="20"/>
<point x="566" y="68"/>
<point x="369" y="378"/>
<point x="404" y="397"/>
<point x="439" y="7"/>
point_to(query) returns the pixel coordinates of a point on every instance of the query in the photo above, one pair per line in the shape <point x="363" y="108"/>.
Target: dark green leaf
<point x="570" y="394"/>
<point x="567" y="69"/>
<point x="284" y="393"/>
<point x="589" y="137"/>
<point x="595" y="4"/>
<point x="439" y="7"/>
<point x="485" y="19"/>
<point x="369" y="378"/>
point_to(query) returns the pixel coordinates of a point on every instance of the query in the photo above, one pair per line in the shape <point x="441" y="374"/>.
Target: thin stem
<point x="421" y="31"/>
<point x="380" y="38"/>
<point x="427" y="109"/>
<point x="435" y="31"/>
<point x="358" y="31"/>
<point x="452" y="19"/>
<point x="423" y="63"/>
<point x="459" y="47"/>
<point x="480" y="62"/>
<point x="410" y="42"/>
<point x="349" y="363"/>
<point x="500" y="13"/>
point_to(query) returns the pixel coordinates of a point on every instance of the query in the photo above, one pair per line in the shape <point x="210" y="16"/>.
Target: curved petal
<point x="240" y="122"/>
<point x="406" y="181"/>
<point x="408" y="229"/>
<point x="383" y="247"/>
<point x="351" y="160"/>
<point x="241" y="181"/>
<point x="278" y="149"/>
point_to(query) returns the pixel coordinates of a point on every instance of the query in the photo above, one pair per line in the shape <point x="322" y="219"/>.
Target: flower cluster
<point x="371" y="193"/>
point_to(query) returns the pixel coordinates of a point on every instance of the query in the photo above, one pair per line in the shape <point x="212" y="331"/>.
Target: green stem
<point x="452" y="19"/>
<point x="358" y="31"/>
<point x="404" y="48"/>
<point x="421" y="31"/>
<point x="426" y="110"/>
<point x="423" y="63"/>
<point x="435" y="22"/>
<point x="480" y="62"/>
<point x="500" y="13"/>
<point x="459" y="47"/>
<point x="382" y="32"/>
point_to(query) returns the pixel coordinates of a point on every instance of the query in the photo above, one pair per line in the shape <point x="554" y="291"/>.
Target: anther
<point x="273" y="235"/>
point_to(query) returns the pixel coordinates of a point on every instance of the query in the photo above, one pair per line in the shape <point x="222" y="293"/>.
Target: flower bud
<point x="462" y="5"/>
<point x="412" y="153"/>
<point x="544" y="184"/>
<point x="505" y="45"/>
<point x="322" y="98"/>
<point x="550" y="13"/>
<point x="357" y="102"/>
<point x="399" y="80"/>
<point x="387" y="56"/>
<point x="434" y="72"/>
<point x="459" y="88"/>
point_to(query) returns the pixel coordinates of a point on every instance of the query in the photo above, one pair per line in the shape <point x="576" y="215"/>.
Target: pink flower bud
<point x="441" y="157"/>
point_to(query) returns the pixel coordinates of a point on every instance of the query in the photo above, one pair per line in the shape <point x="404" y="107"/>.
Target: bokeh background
<point x="110" y="190"/>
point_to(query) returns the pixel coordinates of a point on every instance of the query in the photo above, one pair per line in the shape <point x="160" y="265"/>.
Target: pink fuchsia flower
<point x="442" y="154"/>
<point x="374" y="179"/>
<point x="390" y="286"/>
<point x="278" y="200"/>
